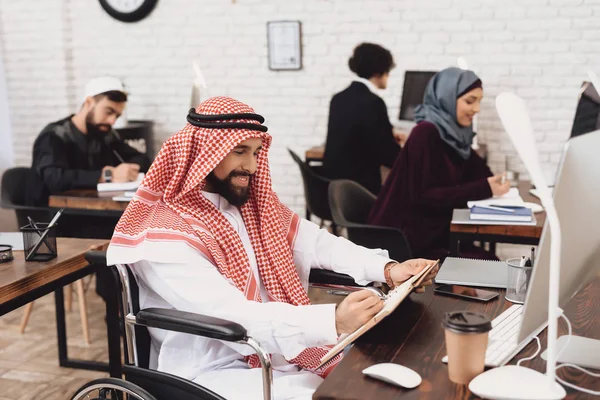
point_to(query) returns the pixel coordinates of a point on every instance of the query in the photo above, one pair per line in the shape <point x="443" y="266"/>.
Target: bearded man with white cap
<point x="206" y="233"/>
<point x="82" y="150"/>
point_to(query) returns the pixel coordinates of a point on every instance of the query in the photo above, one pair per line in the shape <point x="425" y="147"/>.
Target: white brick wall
<point x="539" y="48"/>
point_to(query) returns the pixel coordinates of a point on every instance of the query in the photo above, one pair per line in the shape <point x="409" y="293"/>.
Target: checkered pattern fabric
<point x="169" y="206"/>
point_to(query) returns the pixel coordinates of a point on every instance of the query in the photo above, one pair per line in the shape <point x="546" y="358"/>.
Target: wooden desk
<point x="18" y="277"/>
<point x="316" y="153"/>
<point x="517" y="234"/>
<point x="413" y="336"/>
<point x="88" y="201"/>
<point x="22" y="282"/>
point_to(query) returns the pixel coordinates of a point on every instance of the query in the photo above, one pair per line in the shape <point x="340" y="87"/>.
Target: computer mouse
<point x="394" y="374"/>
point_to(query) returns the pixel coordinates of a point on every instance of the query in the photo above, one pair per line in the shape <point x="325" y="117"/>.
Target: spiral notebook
<point x="471" y="272"/>
<point x="392" y="300"/>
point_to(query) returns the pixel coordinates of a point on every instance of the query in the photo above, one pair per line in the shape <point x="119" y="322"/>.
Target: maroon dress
<point x="428" y="180"/>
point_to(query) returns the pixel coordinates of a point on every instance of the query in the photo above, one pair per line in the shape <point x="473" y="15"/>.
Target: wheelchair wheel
<point x="111" y="389"/>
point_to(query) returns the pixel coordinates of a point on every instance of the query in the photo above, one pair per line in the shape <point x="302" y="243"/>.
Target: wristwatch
<point x="107" y="175"/>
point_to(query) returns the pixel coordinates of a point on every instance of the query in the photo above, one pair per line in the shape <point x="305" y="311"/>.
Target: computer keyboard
<point x="503" y="338"/>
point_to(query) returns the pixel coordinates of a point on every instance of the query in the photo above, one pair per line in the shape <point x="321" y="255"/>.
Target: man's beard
<point x="236" y="195"/>
<point x="94" y="128"/>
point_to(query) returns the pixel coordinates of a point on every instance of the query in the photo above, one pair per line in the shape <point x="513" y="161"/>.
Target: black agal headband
<point x="212" y="121"/>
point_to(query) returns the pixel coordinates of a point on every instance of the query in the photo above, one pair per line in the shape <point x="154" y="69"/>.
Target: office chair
<point x="12" y="196"/>
<point x="315" y="192"/>
<point x="350" y="207"/>
<point x="142" y="383"/>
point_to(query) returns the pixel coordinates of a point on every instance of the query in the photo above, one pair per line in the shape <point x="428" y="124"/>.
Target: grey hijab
<point x="439" y="107"/>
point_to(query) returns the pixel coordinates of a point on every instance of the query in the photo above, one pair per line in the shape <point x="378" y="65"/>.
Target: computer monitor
<point x="587" y="115"/>
<point x="415" y="83"/>
<point x="576" y="196"/>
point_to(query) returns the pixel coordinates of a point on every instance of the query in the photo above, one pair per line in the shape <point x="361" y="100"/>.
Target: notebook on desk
<point x="392" y="300"/>
<point x="463" y="217"/>
<point x="470" y="272"/>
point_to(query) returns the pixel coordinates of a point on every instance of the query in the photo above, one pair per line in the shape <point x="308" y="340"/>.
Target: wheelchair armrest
<point x="323" y="276"/>
<point x="96" y="257"/>
<point x="195" y="324"/>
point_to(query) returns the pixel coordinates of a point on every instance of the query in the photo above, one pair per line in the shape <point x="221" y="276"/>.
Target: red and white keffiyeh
<point x="169" y="207"/>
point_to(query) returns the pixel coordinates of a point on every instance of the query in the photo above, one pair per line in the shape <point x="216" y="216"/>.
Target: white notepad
<point x="15" y="239"/>
<point x="121" y="186"/>
<point x="470" y="272"/>
<point x="510" y="199"/>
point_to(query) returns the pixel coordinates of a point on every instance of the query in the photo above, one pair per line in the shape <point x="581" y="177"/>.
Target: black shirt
<point x="359" y="137"/>
<point x="65" y="158"/>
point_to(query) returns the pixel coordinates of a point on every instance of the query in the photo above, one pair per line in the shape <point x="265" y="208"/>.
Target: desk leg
<point x="114" y="367"/>
<point x="61" y="328"/>
<point x="454" y="245"/>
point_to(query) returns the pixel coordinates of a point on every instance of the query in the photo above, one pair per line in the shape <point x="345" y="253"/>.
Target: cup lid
<point x="467" y="322"/>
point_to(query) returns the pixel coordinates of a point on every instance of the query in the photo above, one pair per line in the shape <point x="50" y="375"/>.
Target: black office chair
<point x="143" y="383"/>
<point x="12" y="196"/>
<point x="350" y="207"/>
<point x="315" y="192"/>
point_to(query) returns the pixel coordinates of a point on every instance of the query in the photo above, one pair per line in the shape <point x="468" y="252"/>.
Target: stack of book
<point x="501" y="213"/>
<point x="507" y="208"/>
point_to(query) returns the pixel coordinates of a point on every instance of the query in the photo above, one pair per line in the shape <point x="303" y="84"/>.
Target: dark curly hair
<point x="370" y="60"/>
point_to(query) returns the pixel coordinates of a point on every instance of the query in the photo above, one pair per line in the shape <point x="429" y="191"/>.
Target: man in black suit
<point x="360" y="137"/>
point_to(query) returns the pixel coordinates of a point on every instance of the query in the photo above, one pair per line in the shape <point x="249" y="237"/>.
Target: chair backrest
<point x="12" y="196"/>
<point x="350" y="207"/>
<point x="315" y="189"/>
<point x="349" y="202"/>
<point x="13" y="187"/>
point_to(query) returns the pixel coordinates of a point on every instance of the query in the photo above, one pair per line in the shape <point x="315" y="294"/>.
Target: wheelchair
<point x="142" y="383"/>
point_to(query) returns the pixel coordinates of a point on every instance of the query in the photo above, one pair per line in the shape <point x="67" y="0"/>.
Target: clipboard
<point x="395" y="297"/>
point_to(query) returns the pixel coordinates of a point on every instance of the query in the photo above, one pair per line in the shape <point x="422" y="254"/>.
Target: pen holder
<point x="518" y="281"/>
<point x="39" y="242"/>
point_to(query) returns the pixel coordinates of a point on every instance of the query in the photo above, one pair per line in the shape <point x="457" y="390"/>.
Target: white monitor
<point x="577" y="199"/>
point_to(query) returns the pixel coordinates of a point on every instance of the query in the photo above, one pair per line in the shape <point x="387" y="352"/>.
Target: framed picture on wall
<point x="284" y="42"/>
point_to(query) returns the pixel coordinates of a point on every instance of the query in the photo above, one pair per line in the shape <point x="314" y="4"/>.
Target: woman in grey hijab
<point x="437" y="171"/>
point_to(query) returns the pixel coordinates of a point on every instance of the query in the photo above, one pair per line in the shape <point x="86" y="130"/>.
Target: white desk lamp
<point x="511" y="381"/>
<point x="199" y="87"/>
<point x="594" y="79"/>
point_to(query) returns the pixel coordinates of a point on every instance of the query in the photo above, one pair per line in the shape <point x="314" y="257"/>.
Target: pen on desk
<point x="503" y="209"/>
<point x="532" y="255"/>
<point x="118" y="156"/>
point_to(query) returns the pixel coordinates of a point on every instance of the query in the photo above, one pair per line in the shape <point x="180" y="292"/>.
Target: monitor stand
<point x="581" y="351"/>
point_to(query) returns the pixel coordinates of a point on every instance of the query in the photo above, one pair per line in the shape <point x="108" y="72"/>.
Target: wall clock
<point x="128" y="10"/>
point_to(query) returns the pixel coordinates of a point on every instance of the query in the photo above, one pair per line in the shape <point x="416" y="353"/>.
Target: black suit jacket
<point x="359" y="137"/>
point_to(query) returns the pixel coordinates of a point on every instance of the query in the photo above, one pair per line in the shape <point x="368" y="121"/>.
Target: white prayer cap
<point x="103" y="84"/>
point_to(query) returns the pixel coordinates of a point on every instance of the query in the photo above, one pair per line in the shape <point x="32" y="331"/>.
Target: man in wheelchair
<point x="205" y="233"/>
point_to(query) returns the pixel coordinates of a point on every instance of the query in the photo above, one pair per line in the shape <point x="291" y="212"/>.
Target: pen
<point x="508" y="210"/>
<point x="34" y="226"/>
<point x="118" y="156"/>
<point x="532" y="255"/>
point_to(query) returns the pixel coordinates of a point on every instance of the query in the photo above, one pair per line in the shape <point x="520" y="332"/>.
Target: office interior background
<point x="540" y="49"/>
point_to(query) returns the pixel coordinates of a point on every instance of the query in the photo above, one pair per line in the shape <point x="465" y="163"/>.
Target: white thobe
<point x="282" y="329"/>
